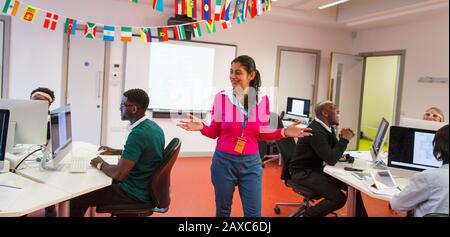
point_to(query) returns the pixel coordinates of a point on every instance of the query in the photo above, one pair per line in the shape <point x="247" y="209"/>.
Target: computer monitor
<point x="28" y="121"/>
<point x="4" y="122"/>
<point x="298" y="107"/>
<point x="412" y="149"/>
<point x="421" y="124"/>
<point x="379" y="140"/>
<point x="60" y="133"/>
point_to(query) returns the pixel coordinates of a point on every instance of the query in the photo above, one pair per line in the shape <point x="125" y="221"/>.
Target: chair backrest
<point x="436" y="215"/>
<point x="160" y="181"/>
<point x="286" y="147"/>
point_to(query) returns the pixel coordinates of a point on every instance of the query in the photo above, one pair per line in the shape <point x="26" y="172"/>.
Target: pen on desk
<point x="399" y="188"/>
<point x="9" y="186"/>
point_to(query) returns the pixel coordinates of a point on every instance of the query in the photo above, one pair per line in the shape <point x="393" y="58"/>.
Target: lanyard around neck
<point x="241" y="115"/>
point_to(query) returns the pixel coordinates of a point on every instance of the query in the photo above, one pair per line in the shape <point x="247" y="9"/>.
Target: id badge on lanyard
<point x="241" y="141"/>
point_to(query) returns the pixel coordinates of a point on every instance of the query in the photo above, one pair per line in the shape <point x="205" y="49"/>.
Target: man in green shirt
<point x="142" y="154"/>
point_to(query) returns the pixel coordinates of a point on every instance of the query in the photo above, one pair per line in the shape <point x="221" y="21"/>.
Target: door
<point x="85" y="87"/>
<point x="297" y="75"/>
<point x="345" y="90"/>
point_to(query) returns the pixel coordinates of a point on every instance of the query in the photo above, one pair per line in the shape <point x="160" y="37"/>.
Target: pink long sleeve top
<point x="226" y="124"/>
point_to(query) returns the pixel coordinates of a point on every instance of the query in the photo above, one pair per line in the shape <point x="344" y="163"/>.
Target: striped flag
<point x="259" y="7"/>
<point x="90" y="30"/>
<point x="70" y="26"/>
<point x="162" y="34"/>
<point x="51" y="20"/>
<point x="253" y="11"/>
<point x="180" y="7"/>
<point x="226" y="10"/>
<point x="126" y="34"/>
<point x="146" y="35"/>
<point x="191" y="8"/>
<point x="226" y="24"/>
<point x="218" y="10"/>
<point x="158" y="5"/>
<point x="238" y="12"/>
<point x="109" y="33"/>
<point x="244" y="9"/>
<point x="210" y="26"/>
<point x="11" y="7"/>
<point x="197" y="30"/>
<point x="29" y="14"/>
<point x="179" y="32"/>
<point x="206" y="9"/>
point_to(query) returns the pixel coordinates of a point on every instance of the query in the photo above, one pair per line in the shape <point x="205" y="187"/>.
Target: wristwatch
<point x="99" y="165"/>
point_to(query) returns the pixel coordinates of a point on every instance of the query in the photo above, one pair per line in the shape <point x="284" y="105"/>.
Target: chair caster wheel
<point x="277" y="210"/>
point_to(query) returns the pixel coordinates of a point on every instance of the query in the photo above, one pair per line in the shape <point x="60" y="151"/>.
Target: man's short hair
<point x="321" y="106"/>
<point x="44" y="90"/>
<point x="138" y="97"/>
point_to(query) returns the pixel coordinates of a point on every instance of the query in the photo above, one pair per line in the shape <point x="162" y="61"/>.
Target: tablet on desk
<point x="383" y="179"/>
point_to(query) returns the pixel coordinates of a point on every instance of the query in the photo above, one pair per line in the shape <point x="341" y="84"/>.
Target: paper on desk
<point x="368" y="182"/>
<point x="8" y="195"/>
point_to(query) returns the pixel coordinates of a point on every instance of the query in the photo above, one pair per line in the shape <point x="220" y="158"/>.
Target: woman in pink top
<point x="240" y="117"/>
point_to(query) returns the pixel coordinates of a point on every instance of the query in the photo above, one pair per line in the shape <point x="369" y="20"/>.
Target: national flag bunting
<point x="225" y="15"/>
<point x="70" y="26"/>
<point x="226" y="24"/>
<point x="238" y="12"/>
<point x="29" y="14"/>
<point x="11" y="7"/>
<point x="158" y="5"/>
<point x="206" y="10"/>
<point x="162" y="34"/>
<point x="259" y="7"/>
<point x="109" y="33"/>
<point x="191" y="8"/>
<point x="197" y="30"/>
<point x="126" y="34"/>
<point x="218" y="10"/>
<point x="179" y="32"/>
<point x="134" y="1"/>
<point x="244" y="9"/>
<point x="90" y="30"/>
<point x="253" y="11"/>
<point x="267" y="5"/>
<point x="51" y="20"/>
<point x="210" y="26"/>
<point x="180" y="7"/>
<point x="146" y="35"/>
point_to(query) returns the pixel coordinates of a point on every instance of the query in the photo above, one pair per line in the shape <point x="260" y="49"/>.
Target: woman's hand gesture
<point x="294" y="131"/>
<point x="191" y="124"/>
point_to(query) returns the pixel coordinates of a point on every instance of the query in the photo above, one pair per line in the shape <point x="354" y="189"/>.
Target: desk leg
<point x="64" y="209"/>
<point x="351" y="201"/>
<point x="91" y="212"/>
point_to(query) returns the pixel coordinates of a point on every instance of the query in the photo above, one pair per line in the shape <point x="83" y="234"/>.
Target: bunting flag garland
<point x="211" y="26"/>
<point x="268" y="6"/>
<point x="29" y="14"/>
<point x="90" y="30"/>
<point x="218" y="10"/>
<point x="109" y="33"/>
<point x="162" y="34"/>
<point x="197" y="30"/>
<point x="70" y="26"/>
<point x="126" y="34"/>
<point x="226" y="24"/>
<point x="11" y="7"/>
<point x="134" y="1"/>
<point x="158" y="5"/>
<point x="179" y="32"/>
<point x="244" y="9"/>
<point x="51" y="20"/>
<point x="180" y="7"/>
<point x="146" y="35"/>
<point x="191" y="8"/>
<point x="253" y="12"/>
<point x="226" y="10"/>
<point x="259" y="7"/>
<point x="206" y="10"/>
<point x="238" y="12"/>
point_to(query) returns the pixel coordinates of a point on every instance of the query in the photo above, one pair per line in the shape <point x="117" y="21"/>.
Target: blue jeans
<point x="244" y="171"/>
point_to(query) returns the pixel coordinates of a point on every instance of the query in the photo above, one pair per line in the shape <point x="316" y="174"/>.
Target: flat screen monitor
<point x="412" y="149"/>
<point x="298" y="107"/>
<point x="378" y="142"/>
<point x="421" y="124"/>
<point x="60" y="132"/>
<point x="4" y="121"/>
<point x="30" y="118"/>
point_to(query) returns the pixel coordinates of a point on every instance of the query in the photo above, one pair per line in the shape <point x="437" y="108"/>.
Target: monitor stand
<point x="379" y="164"/>
<point x="47" y="161"/>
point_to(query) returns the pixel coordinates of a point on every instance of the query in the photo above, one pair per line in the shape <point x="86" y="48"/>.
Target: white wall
<point x="256" y="38"/>
<point x="427" y="54"/>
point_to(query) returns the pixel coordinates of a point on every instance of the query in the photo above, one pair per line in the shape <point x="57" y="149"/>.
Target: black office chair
<point x="159" y="189"/>
<point x="436" y="215"/>
<point x="268" y="150"/>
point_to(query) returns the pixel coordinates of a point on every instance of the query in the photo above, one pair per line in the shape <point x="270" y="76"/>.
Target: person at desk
<point x="142" y="154"/>
<point x="45" y="94"/>
<point x="427" y="191"/>
<point x="433" y="114"/>
<point x="307" y="162"/>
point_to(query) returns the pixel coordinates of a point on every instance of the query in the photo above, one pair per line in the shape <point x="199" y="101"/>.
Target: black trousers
<point x="330" y="189"/>
<point x="112" y="194"/>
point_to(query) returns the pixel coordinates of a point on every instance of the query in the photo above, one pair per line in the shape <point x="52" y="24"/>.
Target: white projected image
<point x="183" y="75"/>
<point x="298" y="107"/>
<point x="423" y="150"/>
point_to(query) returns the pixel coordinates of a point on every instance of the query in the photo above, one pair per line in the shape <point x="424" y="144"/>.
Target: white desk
<point x="74" y="184"/>
<point x="31" y="197"/>
<point x="361" y="162"/>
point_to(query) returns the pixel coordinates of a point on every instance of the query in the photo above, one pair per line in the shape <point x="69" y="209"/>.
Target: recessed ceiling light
<point x="332" y="4"/>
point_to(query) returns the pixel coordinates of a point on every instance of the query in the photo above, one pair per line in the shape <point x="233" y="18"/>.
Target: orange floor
<point x="193" y="194"/>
